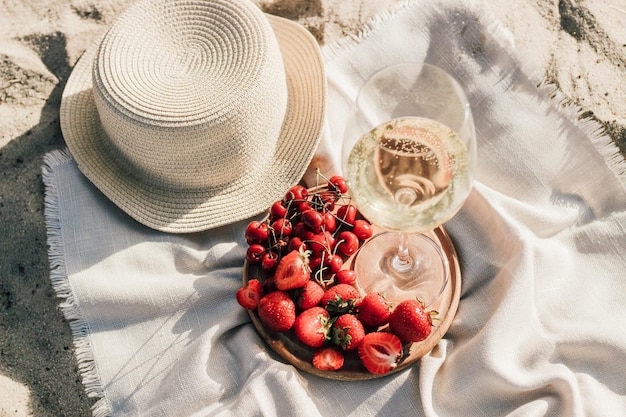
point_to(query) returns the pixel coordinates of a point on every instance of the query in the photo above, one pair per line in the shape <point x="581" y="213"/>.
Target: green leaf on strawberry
<point x="340" y="299"/>
<point x="347" y="332"/>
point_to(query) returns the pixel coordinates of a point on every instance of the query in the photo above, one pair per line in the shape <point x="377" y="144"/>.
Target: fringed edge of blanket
<point x="62" y="285"/>
<point x="593" y="129"/>
<point x="336" y="48"/>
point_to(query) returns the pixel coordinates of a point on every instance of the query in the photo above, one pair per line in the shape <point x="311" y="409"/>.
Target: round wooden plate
<point x="287" y="346"/>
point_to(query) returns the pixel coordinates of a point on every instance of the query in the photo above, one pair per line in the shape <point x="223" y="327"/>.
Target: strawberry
<point x="410" y="321"/>
<point x="311" y="326"/>
<point x="340" y="299"/>
<point x="380" y="352"/>
<point x="310" y="295"/>
<point x="348" y="332"/>
<point x="328" y="358"/>
<point x="293" y="270"/>
<point x="277" y="311"/>
<point x="374" y="310"/>
<point x="249" y="296"/>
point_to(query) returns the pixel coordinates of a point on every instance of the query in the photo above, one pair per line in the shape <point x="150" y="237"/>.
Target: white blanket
<point x="540" y="326"/>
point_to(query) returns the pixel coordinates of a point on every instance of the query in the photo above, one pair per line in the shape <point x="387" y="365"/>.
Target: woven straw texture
<point x="190" y="115"/>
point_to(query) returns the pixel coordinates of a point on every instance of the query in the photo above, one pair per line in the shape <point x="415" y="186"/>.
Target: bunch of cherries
<point x="321" y="220"/>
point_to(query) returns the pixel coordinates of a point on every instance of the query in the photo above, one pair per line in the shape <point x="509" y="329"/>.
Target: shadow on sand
<point x="35" y="340"/>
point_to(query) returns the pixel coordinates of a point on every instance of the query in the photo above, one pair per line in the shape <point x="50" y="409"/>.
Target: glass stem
<point x="402" y="262"/>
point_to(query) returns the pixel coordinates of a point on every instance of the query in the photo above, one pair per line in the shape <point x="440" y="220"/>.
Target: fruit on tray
<point x="303" y="287"/>
<point x="380" y="351"/>
<point x="348" y="331"/>
<point x="293" y="270"/>
<point x="249" y="295"/>
<point x="328" y="358"/>
<point x="410" y="321"/>
<point x="312" y="326"/>
<point x="374" y="310"/>
<point x="277" y="311"/>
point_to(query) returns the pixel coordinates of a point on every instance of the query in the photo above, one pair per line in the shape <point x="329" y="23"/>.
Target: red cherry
<point x="295" y="243"/>
<point x="321" y="242"/>
<point x="347" y="243"/>
<point x="269" y="261"/>
<point x="257" y="232"/>
<point x="339" y="183"/>
<point x="330" y="222"/>
<point x="255" y="253"/>
<point x="307" y="235"/>
<point x="334" y="263"/>
<point x="278" y="210"/>
<point x="327" y="199"/>
<point x="313" y="219"/>
<point x="303" y="206"/>
<point x="346" y="276"/>
<point x="318" y="244"/>
<point x="330" y="239"/>
<point x="347" y="213"/>
<point x="297" y="192"/>
<point x="315" y="262"/>
<point x="282" y="227"/>
<point x="299" y="230"/>
<point x="362" y="229"/>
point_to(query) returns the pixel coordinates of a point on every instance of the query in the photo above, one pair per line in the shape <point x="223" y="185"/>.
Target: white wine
<point x="409" y="174"/>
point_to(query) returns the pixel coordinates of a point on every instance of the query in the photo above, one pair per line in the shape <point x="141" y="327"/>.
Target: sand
<point x="579" y="46"/>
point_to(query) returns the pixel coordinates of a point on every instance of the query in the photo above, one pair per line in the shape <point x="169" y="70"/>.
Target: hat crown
<point x="193" y="114"/>
<point x="185" y="94"/>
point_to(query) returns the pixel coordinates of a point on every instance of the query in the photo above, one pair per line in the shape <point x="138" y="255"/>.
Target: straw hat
<point x="192" y="114"/>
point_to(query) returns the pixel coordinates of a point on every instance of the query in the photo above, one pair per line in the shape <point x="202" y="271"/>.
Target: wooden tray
<point x="296" y="353"/>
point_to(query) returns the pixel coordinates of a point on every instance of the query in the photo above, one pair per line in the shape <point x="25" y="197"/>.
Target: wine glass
<point x="408" y="156"/>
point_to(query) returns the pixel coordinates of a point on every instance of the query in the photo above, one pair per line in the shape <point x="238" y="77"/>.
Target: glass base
<point x="424" y="278"/>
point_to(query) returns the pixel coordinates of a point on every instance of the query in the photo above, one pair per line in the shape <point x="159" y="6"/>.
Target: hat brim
<point x="177" y="211"/>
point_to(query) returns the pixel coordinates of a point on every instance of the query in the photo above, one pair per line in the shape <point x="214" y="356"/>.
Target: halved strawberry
<point x="380" y="352"/>
<point x="293" y="270"/>
<point x="249" y="296"/>
<point x="328" y="359"/>
<point x="311" y="326"/>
